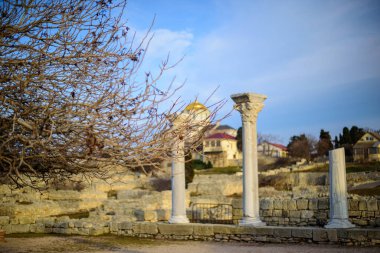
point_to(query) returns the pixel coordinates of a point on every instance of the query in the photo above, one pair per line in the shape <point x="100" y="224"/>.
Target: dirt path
<point x="114" y="244"/>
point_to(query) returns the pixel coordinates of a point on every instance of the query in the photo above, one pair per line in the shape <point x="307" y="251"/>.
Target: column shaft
<point x="178" y="214"/>
<point x="338" y="190"/>
<point x="249" y="105"/>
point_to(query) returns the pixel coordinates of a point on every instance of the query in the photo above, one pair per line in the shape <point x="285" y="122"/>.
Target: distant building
<point x="367" y="148"/>
<point x="226" y="129"/>
<point x="221" y="150"/>
<point x="272" y="149"/>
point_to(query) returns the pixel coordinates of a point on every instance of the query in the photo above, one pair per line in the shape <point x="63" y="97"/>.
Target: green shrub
<point x="221" y="170"/>
<point x="189" y="170"/>
<point x="199" y="164"/>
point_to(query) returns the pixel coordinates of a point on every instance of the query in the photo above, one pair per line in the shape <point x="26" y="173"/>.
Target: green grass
<point x="220" y="170"/>
<point x="362" y="167"/>
<point x="317" y="168"/>
<point x="350" y="167"/>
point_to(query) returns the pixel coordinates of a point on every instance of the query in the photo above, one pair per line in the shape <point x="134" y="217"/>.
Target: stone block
<point x="374" y="234"/>
<point x="245" y="230"/>
<point x="377" y="221"/>
<point x="78" y="224"/>
<point x="125" y="225"/>
<point x="14" y="221"/>
<point x="323" y="204"/>
<point x="277" y="204"/>
<point x="362" y="205"/>
<point x="282" y="232"/>
<point x="307" y="214"/>
<point x="357" y="235"/>
<point x="353" y="205"/>
<point x="372" y="205"/>
<point x="87" y="225"/>
<point x="96" y="231"/>
<point x="63" y="219"/>
<point x="83" y="231"/>
<point x="294" y="221"/>
<point x="20" y="228"/>
<point x="342" y="233"/>
<point x="264" y="231"/>
<point x="139" y="214"/>
<point x="163" y="214"/>
<point x="203" y="230"/>
<point x="145" y="228"/>
<point x="266" y="204"/>
<point x="237" y="212"/>
<point x="7" y="229"/>
<point x="277" y="213"/>
<point x="59" y="230"/>
<point x="354" y="213"/>
<point x="302" y="232"/>
<point x="63" y="225"/>
<point x="224" y="229"/>
<point x="320" y="235"/>
<point x="175" y="229"/>
<point x="261" y="239"/>
<point x="45" y="220"/>
<point x="332" y="235"/>
<point x="302" y="204"/>
<point x="291" y="205"/>
<point x="294" y="214"/>
<point x="131" y="194"/>
<point x="26" y="220"/>
<point x="237" y="203"/>
<point x="267" y="213"/>
<point x="114" y="226"/>
<point x="360" y="222"/>
<point x="71" y="224"/>
<point x="150" y="216"/>
<point x="313" y="204"/>
<point x="4" y="220"/>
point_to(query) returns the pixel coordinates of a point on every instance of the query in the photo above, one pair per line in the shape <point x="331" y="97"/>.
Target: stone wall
<point x="209" y="232"/>
<point x="363" y="212"/>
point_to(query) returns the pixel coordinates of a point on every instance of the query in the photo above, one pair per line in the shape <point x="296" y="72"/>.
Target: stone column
<point x="249" y="105"/>
<point x="338" y="190"/>
<point x="178" y="214"/>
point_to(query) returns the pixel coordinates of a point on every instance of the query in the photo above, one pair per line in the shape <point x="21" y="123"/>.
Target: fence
<point x="211" y="213"/>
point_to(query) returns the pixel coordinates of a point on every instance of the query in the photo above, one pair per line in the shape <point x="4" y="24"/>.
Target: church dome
<point x="195" y="106"/>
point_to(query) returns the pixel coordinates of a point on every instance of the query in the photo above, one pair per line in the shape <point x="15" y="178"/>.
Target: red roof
<point x="221" y="136"/>
<point x="278" y="146"/>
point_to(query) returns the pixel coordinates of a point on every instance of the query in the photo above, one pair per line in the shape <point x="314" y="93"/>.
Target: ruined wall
<point x="210" y="232"/>
<point x="363" y="211"/>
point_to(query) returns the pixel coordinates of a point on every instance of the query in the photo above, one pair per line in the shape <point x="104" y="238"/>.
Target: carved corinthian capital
<point x="249" y="105"/>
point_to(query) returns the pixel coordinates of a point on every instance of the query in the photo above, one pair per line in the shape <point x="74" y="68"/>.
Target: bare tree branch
<point x="71" y="100"/>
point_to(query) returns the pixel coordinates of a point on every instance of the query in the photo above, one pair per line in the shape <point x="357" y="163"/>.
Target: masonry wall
<point x="206" y="232"/>
<point x="363" y="212"/>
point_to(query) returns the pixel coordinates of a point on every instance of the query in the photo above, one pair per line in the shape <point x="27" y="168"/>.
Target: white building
<point x="220" y="147"/>
<point x="272" y="149"/>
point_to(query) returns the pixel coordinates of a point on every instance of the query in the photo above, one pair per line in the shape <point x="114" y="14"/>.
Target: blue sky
<point x="317" y="61"/>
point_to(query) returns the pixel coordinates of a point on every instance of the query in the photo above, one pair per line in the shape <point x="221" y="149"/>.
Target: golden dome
<point x="195" y="106"/>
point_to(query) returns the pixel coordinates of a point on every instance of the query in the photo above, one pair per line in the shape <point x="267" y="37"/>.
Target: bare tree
<point x="71" y="100"/>
<point x="302" y="146"/>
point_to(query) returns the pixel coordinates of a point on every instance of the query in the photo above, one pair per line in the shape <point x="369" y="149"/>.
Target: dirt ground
<point x="115" y="244"/>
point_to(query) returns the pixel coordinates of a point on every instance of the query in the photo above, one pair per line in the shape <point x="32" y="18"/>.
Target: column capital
<point x="249" y="105"/>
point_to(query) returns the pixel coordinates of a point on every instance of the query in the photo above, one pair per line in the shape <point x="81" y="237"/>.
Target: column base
<point x="178" y="219"/>
<point x="339" y="223"/>
<point x="252" y="222"/>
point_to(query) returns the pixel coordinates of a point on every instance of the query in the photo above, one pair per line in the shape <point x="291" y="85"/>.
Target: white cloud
<point x="164" y="42"/>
